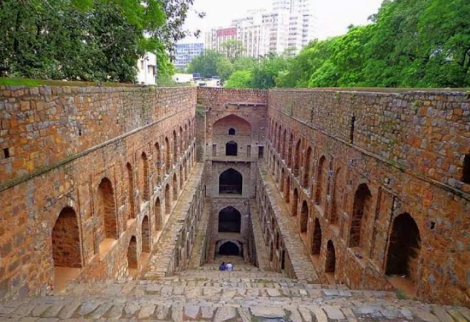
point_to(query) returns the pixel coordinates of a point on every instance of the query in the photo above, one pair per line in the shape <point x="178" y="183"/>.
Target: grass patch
<point x="401" y="295"/>
<point x="28" y="82"/>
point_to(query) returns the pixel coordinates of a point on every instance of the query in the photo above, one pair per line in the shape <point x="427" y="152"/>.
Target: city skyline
<point x="331" y="18"/>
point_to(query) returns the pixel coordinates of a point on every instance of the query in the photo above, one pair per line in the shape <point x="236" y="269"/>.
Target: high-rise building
<point x="288" y="25"/>
<point x="216" y="37"/>
<point x="186" y="52"/>
<point x="301" y="21"/>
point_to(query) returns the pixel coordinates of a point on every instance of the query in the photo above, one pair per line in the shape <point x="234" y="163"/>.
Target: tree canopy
<point x="409" y="43"/>
<point x="87" y="39"/>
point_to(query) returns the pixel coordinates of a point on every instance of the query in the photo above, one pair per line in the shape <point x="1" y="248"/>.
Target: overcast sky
<point x="332" y="16"/>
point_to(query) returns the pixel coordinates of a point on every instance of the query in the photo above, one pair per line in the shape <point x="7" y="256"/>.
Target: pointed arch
<point x="146" y="235"/>
<point x="132" y="260"/>
<point x="158" y="215"/>
<point x="231" y="182"/>
<point x="186" y="137"/>
<point x="321" y="181"/>
<point x="231" y="148"/>
<point x="295" y="202"/>
<point x="297" y="158"/>
<point x="175" y="147"/>
<point x="316" y="238"/>
<point x="330" y="263"/>
<point x="404" y="248"/>
<point x="338" y="187"/>
<point x="158" y="152"/>
<point x="181" y="149"/>
<point x="145" y="177"/>
<point x="167" y="200"/>
<point x="229" y="220"/>
<point x="290" y="154"/>
<point x="281" y="181"/>
<point x="175" y="187"/>
<point x="361" y="208"/>
<point x="107" y="209"/>
<point x="180" y="174"/>
<point x="131" y="192"/>
<point x="307" y="164"/>
<point x="304" y="218"/>
<point x="284" y="139"/>
<point x="224" y="125"/>
<point x="66" y="242"/>
<point x="167" y="155"/>
<point x="287" y="189"/>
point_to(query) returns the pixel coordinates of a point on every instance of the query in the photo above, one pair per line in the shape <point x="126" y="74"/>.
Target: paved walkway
<point x="295" y="247"/>
<point x="206" y="294"/>
<point x="162" y="257"/>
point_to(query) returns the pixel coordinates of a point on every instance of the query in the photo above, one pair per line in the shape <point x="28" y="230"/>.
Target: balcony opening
<point x="230" y="182"/>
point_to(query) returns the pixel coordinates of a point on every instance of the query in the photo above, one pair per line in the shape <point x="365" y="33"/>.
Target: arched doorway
<point x="287" y="190"/>
<point x="159" y="162"/>
<point x="66" y="248"/>
<point x="145" y="177"/>
<point x="362" y="204"/>
<point x="295" y="202"/>
<point x="306" y="179"/>
<point x="304" y="218"/>
<point x="130" y="194"/>
<point x="175" y="147"/>
<point x="158" y="215"/>
<point x="336" y="199"/>
<point x="404" y="248"/>
<point x="107" y="214"/>
<point x="132" y="261"/>
<point x="167" y="155"/>
<point x="316" y="238"/>
<point x="231" y="148"/>
<point x="330" y="263"/>
<point x="289" y="153"/>
<point x="146" y="240"/>
<point x="321" y="181"/>
<point x="297" y="158"/>
<point x="229" y="249"/>
<point x="230" y="182"/>
<point x="229" y="220"/>
<point x="167" y="200"/>
<point x="175" y="188"/>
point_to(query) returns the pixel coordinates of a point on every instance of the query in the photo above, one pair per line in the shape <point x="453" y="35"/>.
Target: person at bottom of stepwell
<point x="229" y="267"/>
<point x="222" y="267"/>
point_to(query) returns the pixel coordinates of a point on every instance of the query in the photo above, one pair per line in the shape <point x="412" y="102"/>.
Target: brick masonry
<point x="350" y="166"/>
<point x="112" y="176"/>
<point x="406" y="150"/>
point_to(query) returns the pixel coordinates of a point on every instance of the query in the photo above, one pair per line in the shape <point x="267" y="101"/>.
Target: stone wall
<point x="236" y="116"/>
<point x="364" y="163"/>
<point x="41" y="126"/>
<point x="103" y="154"/>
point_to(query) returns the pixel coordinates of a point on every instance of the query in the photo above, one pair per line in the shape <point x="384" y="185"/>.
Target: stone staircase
<point x="207" y="294"/>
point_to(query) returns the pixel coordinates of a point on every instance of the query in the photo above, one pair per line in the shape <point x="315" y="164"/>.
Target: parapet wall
<point x="427" y="132"/>
<point x="41" y="126"/>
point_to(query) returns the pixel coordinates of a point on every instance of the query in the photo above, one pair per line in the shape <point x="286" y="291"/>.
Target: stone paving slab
<point x="157" y="309"/>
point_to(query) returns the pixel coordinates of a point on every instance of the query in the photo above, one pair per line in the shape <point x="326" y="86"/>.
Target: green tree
<point x="240" y="79"/>
<point x="86" y="39"/>
<point x="211" y="63"/>
<point x="232" y="49"/>
<point x="269" y="70"/>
